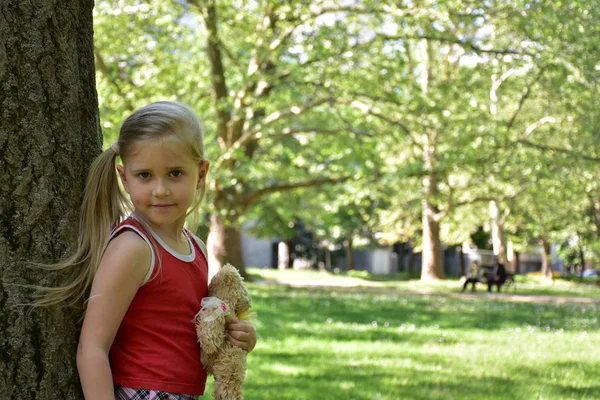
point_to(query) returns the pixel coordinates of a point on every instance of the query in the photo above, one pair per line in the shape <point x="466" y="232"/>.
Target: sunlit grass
<point x="339" y="343"/>
<point x="526" y="285"/>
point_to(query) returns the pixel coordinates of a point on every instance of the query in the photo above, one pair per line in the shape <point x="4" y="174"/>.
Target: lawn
<point x="526" y="285"/>
<point x="384" y="342"/>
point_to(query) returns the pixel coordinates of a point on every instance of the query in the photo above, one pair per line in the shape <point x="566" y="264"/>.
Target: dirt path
<point x="506" y="296"/>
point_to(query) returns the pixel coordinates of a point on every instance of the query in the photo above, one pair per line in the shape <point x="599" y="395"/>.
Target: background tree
<point x="271" y="126"/>
<point x="448" y="94"/>
<point x="48" y="137"/>
<point x="434" y="66"/>
<point x="550" y="131"/>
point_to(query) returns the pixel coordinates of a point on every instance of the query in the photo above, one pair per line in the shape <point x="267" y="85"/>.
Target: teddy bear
<point x="228" y="298"/>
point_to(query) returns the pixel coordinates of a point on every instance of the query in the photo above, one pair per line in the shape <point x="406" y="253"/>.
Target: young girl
<point x="145" y="273"/>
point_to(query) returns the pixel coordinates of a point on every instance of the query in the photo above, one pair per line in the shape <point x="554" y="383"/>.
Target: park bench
<point x="485" y="275"/>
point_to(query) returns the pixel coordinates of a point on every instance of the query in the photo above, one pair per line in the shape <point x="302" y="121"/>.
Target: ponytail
<point x="103" y="207"/>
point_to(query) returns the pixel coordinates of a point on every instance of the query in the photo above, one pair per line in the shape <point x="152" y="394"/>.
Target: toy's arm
<point x="211" y="334"/>
<point x="210" y="340"/>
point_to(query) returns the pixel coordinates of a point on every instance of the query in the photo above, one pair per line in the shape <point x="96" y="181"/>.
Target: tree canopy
<point x="385" y="120"/>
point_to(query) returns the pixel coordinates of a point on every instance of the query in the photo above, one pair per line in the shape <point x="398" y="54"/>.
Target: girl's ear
<point x="121" y="172"/>
<point x="202" y="174"/>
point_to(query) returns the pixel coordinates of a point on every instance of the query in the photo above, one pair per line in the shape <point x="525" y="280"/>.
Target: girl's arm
<point x="124" y="265"/>
<point x="241" y="334"/>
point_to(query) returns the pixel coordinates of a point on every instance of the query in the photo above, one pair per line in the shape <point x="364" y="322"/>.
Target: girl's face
<point x="161" y="178"/>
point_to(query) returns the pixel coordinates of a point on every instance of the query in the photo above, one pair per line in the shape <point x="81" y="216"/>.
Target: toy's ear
<point x="228" y="276"/>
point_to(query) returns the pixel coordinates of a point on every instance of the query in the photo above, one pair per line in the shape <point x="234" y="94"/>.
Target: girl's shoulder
<point x="133" y="240"/>
<point x="129" y="244"/>
<point x="129" y="254"/>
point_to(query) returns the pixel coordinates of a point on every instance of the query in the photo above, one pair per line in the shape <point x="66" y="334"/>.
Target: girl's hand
<point x="241" y="334"/>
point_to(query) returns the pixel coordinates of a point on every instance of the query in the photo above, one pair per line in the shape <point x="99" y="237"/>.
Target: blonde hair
<point x="104" y="203"/>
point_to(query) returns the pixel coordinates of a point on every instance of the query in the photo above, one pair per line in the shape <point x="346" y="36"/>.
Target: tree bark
<point x="284" y="255"/>
<point x="49" y="134"/>
<point x="596" y="204"/>
<point x="516" y="262"/>
<point x="581" y="257"/>
<point x="432" y="265"/>
<point x="546" y="267"/>
<point x="349" y="252"/>
<point x="461" y="260"/>
<point x="225" y="245"/>
<point x="498" y="235"/>
<point x="411" y="264"/>
<point x="400" y="250"/>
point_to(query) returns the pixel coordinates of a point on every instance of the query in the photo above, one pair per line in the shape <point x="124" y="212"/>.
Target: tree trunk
<point x="411" y="264"/>
<point x="581" y="257"/>
<point x="400" y="250"/>
<point x="349" y="251"/>
<point x="461" y="260"/>
<point x="596" y="203"/>
<point x="48" y="137"/>
<point x="546" y="267"/>
<point x="432" y="265"/>
<point x="283" y="255"/>
<point x="498" y="236"/>
<point x="516" y="263"/>
<point x="225" y="245"/>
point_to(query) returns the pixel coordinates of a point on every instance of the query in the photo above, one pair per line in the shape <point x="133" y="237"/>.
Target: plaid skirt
<point x="125" y="393"/>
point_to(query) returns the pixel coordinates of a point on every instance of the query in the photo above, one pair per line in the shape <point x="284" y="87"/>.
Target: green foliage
<point x="144" y="53"/>
<point x="481" y="239"/>
<point x="493" y="101"/>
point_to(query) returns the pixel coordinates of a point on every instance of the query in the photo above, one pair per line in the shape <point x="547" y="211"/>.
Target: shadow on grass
<point x="311" y="374"/>
<point x="305" y="307"/>
<point x="571" y="377"/>
<point x="323" y="343"/>
<point x="305" y="374"/>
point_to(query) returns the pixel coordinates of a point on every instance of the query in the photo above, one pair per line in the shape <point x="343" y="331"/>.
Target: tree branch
<point x="453" y="40"/>
<point x="290" y="131"/>
<point x="543" y="121"/>
<point x="105" y="70"/>
<point x="274" y="116"/>
<point x="558" y="150"/>
<point x="367" y="109"/>
<point x="217" y="69"/>
<point x="252" y="197"/>
<point x="524" y="97"/>
<point x="231" y="56"/>
<point x="287" y="33"/>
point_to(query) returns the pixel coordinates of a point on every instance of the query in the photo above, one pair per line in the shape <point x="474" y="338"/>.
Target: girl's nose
<point x="160" y="189"/>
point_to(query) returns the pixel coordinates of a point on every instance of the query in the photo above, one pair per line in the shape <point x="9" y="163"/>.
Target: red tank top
<point x="156" y="345"/>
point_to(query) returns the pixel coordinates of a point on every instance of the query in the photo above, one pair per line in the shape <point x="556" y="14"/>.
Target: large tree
<point x="433" y="69"/>
<point x="544" y="109"/>
<point x="259" y="67"/>
<point x="48" y="137"/>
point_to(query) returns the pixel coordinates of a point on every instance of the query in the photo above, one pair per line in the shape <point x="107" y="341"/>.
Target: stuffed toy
<point x="227" y="299"/>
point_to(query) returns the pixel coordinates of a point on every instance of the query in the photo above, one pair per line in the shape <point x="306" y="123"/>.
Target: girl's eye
<point x="144" y="175"/>
<point x="176" y="174"/>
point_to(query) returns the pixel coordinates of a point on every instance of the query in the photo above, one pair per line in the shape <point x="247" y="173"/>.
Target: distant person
<point x="497" y="276"/>
<point x="143" y="275"/>
<point x="472" y="276"/>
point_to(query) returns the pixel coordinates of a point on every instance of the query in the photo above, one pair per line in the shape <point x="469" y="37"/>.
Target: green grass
<point x="356" y="343"/>
<point x="526" y="285"/>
